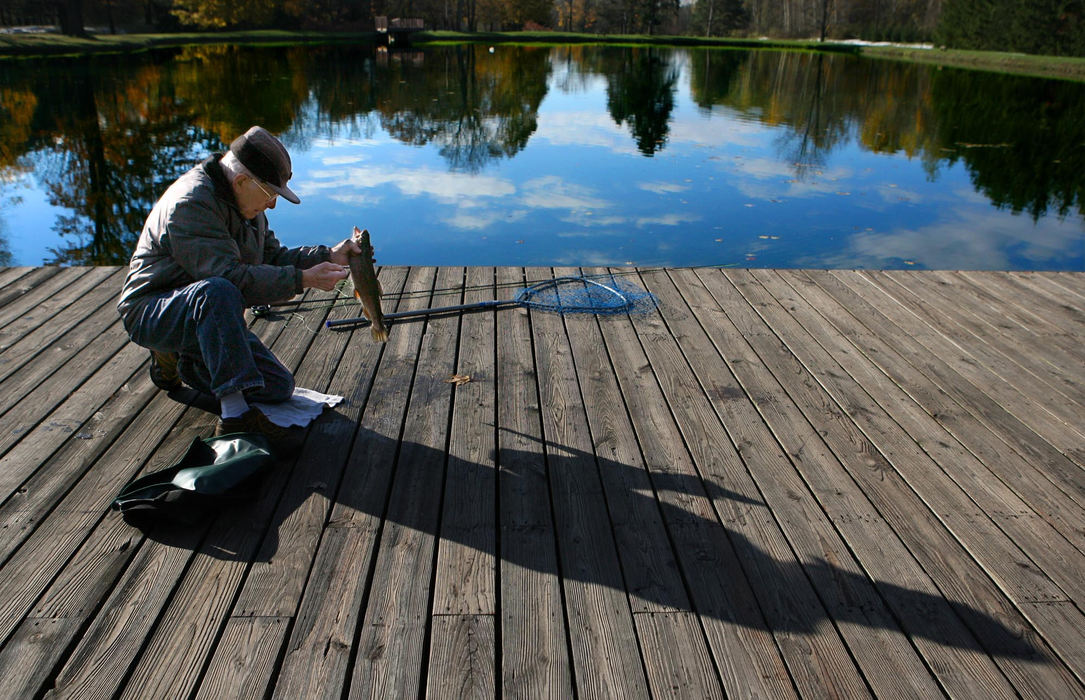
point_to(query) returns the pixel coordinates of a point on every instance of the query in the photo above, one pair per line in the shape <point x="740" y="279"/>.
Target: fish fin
<point x="357" y="295"/>
<point x="380" y="289"/>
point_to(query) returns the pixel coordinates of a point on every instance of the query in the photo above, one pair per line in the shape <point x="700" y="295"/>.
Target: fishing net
<point x="593" y="295"/>
<point x="607" y="294"/>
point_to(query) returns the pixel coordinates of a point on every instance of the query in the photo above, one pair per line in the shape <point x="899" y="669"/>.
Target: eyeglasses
<point x="270" y="195"/>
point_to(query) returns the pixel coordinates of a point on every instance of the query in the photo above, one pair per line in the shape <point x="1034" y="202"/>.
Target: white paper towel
<point x="300" y="409"/>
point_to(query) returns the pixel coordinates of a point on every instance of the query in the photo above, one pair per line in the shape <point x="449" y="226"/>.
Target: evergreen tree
<point x="1054" y="27"/>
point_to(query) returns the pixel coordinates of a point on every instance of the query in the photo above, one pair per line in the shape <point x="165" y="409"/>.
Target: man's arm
<point x="198" y="241"/>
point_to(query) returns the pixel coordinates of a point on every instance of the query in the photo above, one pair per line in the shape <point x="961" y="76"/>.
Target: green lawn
<point x="1016" y="63"/>
<point x="56" y="44"/>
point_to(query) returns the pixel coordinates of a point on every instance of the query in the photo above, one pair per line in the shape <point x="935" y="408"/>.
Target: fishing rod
<point x="578" y="294"/>
<point x="265" y="309"/>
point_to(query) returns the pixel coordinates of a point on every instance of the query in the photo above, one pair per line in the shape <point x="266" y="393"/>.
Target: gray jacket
<point x="195" y="231"/>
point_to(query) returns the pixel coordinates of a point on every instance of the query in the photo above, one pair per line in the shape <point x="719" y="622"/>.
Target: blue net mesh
<point x="593" y="295"/>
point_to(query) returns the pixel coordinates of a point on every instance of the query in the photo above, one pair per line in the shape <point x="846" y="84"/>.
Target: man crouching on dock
<point x="205" y="253"/>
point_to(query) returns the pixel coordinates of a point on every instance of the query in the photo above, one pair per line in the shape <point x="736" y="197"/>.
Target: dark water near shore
<point x="562" y="156"/>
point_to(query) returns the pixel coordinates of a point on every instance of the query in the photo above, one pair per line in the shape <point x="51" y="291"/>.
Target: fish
<point x="367" y="288"/>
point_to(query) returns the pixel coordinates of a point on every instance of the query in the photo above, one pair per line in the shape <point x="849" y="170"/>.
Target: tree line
<point x="1055" y="27"/>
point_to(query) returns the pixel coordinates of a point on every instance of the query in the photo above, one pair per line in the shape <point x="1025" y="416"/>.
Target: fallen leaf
<point x="458" y="379"/>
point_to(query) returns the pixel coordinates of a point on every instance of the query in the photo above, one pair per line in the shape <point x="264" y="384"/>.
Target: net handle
<point x="522" y="299"/>
<point x="425" y="312"/>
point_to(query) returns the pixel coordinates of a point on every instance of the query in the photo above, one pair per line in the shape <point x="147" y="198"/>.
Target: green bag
<point x="214" y="472"/>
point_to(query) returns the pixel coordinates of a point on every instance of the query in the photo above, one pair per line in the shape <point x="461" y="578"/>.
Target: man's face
<point x="253" y="196"/>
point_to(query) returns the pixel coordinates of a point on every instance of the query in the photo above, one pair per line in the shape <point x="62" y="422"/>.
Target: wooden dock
<point x="777" y="484"/>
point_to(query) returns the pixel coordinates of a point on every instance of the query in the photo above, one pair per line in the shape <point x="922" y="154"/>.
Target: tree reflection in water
<point x="104" y="136"/>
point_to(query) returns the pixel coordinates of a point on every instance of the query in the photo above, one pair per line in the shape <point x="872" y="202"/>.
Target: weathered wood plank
<point x="1066" y="285"/>
<point x="605" y="655"/>
<point x="48" y="548"/>
<point x="246" y="658"/>
<point x="711" y="531"/>
<point x="1049" y="365"/>
<point x="700" y="542"/>
<point x="67" y="443"/>
<point x="176" y="652"/>
<point x="1051" y="552"/>
<point x="651" y="573"/>
<point x="10" y="275"/>
<point x="1002" y="294"/>
<point x="998" y="376"/>
<point x="462" y="665"/>
<point x="800" y="616"/>
<point x="46" y="302"/>
<point x="391" y="641"/>
<point x="50" y="344"/>
<point x="998" y="464"/>
<point x="127" y="618"/>
<point x="321" y="646"/>
<point x="465" y="595"/>
<point x="24" y="292"/>
<point x="795" y="481"/>
<point x="991" y="618"/>
<point x="466" y="577"/>
<point x="42" y="411"/>
<point x="652" y="576"/>
<point x="274" y="584"/>
<point x="1001" y="505"/>
<point x="39" y="386"/>
<point x="76" y="533"/>
<point x="877" y="310"/>
<point x="46" y="350"/>
<point x="1000" y="557"/>
<point x="534" y="649"/>
<point x="1061" y="305"/>
<point x="679" y="664"/>
<point x="853" y="601"/>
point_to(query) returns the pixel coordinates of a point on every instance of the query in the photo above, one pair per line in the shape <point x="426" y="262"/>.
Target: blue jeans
<point x="204" y="323"/>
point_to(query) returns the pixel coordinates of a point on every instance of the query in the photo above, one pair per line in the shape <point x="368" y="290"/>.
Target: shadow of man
<point x="345" y="476"/>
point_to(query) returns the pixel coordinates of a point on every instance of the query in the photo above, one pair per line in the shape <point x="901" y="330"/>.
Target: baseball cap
<point x="266" y="158"/>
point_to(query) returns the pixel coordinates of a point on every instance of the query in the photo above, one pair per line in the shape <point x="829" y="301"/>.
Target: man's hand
<point x="323" y="276"/>
<point x="342" y="251"/>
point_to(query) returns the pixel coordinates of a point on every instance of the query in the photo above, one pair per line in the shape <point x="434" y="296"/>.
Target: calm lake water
<point x="578" y="155"/>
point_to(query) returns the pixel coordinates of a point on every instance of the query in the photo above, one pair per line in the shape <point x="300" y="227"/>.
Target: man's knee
<point x="217" y="293"/>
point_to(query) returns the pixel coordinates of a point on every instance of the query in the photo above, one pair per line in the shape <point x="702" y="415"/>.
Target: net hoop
<point x="593" y="296"/>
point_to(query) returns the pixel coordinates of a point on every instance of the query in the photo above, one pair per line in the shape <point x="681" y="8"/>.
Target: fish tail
<point x="380" y="334"/>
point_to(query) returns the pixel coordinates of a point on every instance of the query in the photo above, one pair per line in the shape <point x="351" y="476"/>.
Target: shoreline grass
<point x="54" y="45"/>
<point x="57" y="45"/>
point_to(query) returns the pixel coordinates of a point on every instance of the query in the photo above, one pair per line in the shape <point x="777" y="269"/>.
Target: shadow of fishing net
<point x="588" y="295"/>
